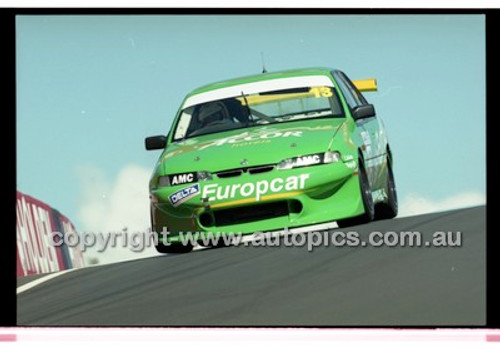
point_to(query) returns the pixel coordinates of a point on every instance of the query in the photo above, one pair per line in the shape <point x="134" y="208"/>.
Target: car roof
<point x="261" y="77"/>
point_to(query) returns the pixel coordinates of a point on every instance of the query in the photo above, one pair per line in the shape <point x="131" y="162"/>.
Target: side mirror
<point x="156" y="143"/>
<point x="363" y="111"/>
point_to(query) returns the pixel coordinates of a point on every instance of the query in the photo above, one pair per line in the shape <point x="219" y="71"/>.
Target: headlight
<point x="286" y="164"/>
<point x="331" y="157"/>
<point x="163" y="181"/>
<point x="183" y="178"/>
<point x="309" y="160"/>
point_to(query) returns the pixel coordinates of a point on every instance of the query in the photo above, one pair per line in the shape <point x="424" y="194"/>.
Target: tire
<point x="366" y="196"/>
<point x="389" y="209"/>
<point x="174" y="248"/>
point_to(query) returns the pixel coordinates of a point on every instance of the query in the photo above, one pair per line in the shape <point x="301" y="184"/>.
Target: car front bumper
<point x="294" y="197"/>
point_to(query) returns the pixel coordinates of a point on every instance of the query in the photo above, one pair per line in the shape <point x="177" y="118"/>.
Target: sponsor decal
<point x="179" y="197"/>
<point x="251" y="138"/>
<point x="367" y="141"/>
<point x="366" y="138"/>
<point x="351" y="165"/>
<point x="323" y="82"/>
<point x="34" y="230"/>
<point x="244" y="139"/>
<point x="250" y="143"/>
<point x="36" y="227"/>
<point x="183" y="178"/>
<point x="309" y="160"/>
<point x="212" y="192"/>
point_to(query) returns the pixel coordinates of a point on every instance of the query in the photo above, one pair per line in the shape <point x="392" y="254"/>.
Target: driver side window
<point x="353" y="97"/>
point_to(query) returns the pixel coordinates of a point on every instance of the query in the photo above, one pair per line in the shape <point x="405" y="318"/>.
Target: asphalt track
<point x="285" y="286"/>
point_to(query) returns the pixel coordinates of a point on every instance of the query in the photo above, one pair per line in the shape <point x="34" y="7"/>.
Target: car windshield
<point x="285" y="105"/>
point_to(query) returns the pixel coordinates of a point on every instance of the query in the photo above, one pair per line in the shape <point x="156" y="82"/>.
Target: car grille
<point x="231" y="216"/>
<point x="251" y="170"/>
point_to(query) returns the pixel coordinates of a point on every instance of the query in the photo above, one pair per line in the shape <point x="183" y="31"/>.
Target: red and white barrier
<point x="36" y="224"/>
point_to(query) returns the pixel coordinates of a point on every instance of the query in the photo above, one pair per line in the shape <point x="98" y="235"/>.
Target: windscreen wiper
<point x="256" y="113"/>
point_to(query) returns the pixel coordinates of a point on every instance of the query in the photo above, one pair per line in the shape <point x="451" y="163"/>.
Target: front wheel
<point x="366" y="197"/>
<point x="389" y="209"/>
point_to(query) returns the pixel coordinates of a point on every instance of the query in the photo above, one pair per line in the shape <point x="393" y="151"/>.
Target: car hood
<point x="250" y="147"/>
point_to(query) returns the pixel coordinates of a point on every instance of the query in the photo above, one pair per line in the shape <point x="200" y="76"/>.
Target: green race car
<point x="271" y="151"/>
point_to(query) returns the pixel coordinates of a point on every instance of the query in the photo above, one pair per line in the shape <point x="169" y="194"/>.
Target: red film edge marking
<point x="8" y="337"/>
<point x="493" y="338"/>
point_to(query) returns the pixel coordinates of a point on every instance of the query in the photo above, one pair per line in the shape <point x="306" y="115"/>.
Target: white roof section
<point x="257" y="87"/>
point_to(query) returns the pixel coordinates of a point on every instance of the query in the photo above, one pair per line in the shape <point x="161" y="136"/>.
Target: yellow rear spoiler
<point x="366" y="85"/>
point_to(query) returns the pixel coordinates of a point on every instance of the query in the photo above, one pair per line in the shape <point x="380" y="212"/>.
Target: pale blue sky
<point x="90" y="88"/>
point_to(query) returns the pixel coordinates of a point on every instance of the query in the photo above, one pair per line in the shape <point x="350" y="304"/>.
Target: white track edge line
<point x="42" y="280"/>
